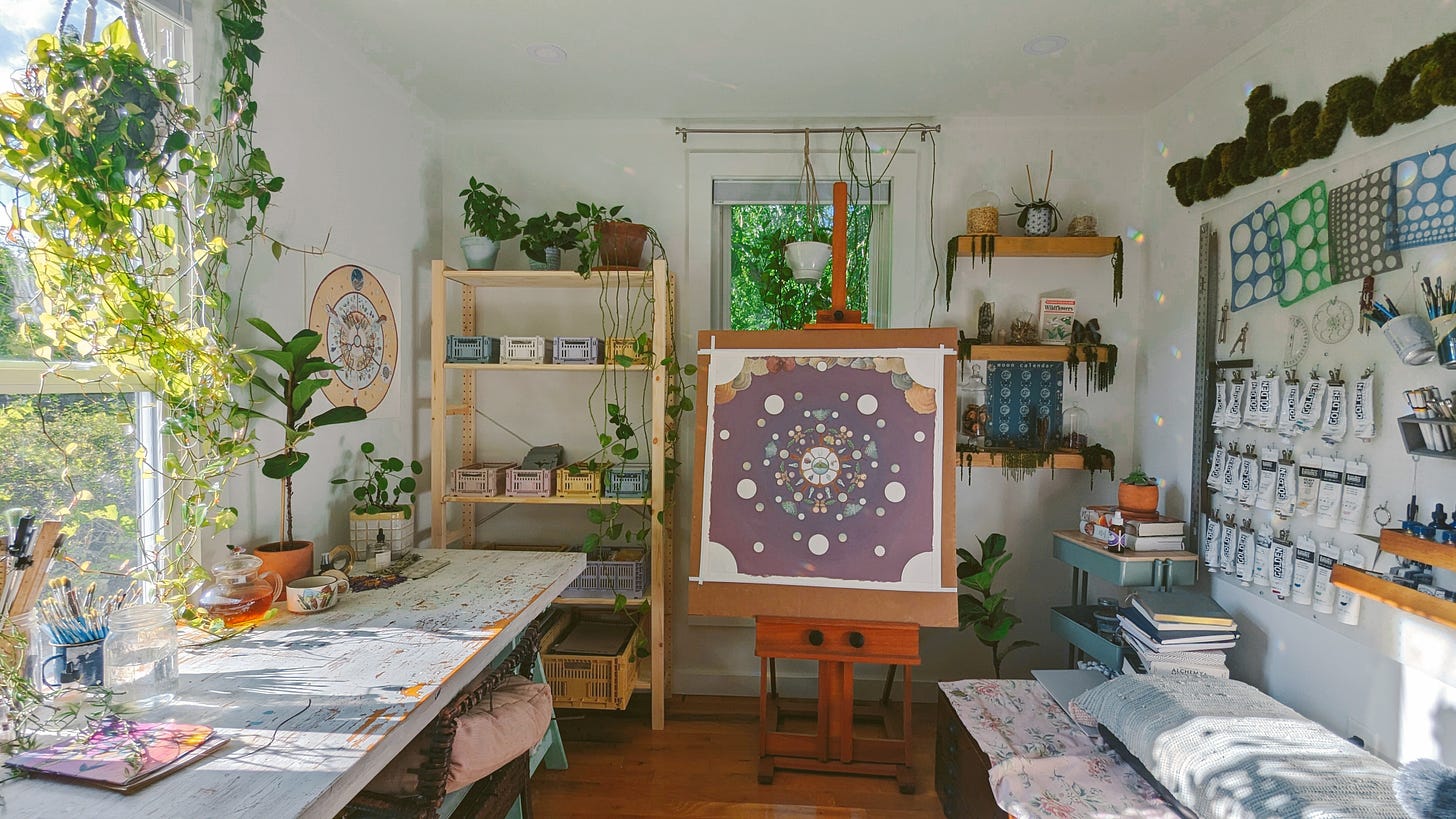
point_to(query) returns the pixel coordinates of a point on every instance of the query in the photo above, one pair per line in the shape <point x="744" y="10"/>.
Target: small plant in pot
<point x="984" y="610"/>
<point x="1039" y="217"/>
<point x="383" y="503"/>
<point x="491" y="219"/>
<point x="1138" y="493"/>
<point x="808" y="256"/>
<point x="294" y="387"/>
<point x="545" y="236"/>
<point x="607" y="237"/>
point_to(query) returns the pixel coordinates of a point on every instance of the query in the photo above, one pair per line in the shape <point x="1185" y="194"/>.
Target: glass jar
<point x="1074" y="428"/>
<point x="972" y="394"/>
<point x="141" y="655"/>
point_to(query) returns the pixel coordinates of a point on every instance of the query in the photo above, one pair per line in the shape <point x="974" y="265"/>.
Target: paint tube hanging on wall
<point x="1215" y="468"/>
<point x="1220" y="404"/>
<point x="1244" y="553"/>
<point x="1352" y="502"/>
<point x="1234" y="412"/>
<point x="1248" y="476"/>
<point x="1309" y="480"/>
<point x="1311" y="402"/>
<point x="1324" y="589"/>
<point x="1331" y="487"/>
<point x="1285" y="486"/>
<point x="1347" y="603"/>
<point x="1263" y="553"/>
<point x="1268" y="477"/>
<point x="1261" y="403"/>
<point x="1305" y="555"/>
<point x="1227" y="544"/>
<point x="1229" y="486"/>
<point x="1332" y="431"/>
<point x="1281" y="565"/>
<point x="1212" y="536"/>
<point x="1289" y="408"/>
<point x="1362" y="407"/>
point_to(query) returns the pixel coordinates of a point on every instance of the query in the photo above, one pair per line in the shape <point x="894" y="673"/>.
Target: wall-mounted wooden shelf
<point x="1394" y="594"/>
<point x="1059" y="460"/>
<point x="1415" y="440"/>
<point x="1042" y="246"/>
<point x="559" y="368"/>
<point x="1025" y="352"/>
<point x="1410" y="547"/>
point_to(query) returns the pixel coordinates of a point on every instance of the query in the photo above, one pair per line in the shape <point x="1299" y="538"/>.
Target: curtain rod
<point x="923" y="129"/>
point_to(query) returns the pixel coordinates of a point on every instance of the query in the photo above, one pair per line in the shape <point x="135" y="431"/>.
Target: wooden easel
<point x="837" y="645"/>
<point x="839" y="316"/>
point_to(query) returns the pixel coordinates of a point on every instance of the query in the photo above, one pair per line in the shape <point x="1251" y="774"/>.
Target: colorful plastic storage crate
<point x="627" y="481"/>
<point x="576" y="350"/>
<point x="580" y="480"/>
<point x="626" y="346"/>
<point x="535" y="477"/>
<point x="486" y="479"/>
<point x="523" y="350"/>
<point x="472" y="349"/>
<point x="610" y="572"/>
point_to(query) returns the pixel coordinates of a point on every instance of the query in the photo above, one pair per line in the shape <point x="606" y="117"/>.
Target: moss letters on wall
<point x="1413" y="86"/>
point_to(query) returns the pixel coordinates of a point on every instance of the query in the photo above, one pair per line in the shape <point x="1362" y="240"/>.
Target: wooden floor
<point x="704" y="764"/>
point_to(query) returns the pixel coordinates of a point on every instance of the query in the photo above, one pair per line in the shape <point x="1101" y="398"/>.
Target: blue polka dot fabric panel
<point x="1304" y="225"/>
<point x="1258" y="266"/>
<point x="1423" y="191"/>
<point x="1361" y="224"/>
<point x="1025" y="403"/>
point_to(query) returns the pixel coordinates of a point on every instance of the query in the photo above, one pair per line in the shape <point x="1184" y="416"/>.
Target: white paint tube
<point x="1212" y="536"/>
<point x="1347" y="603"/>
<point x="1215" y="468"/>
<point x="1251" y="400"/>
<point x="1331" y="486"/>
<point x="1281" y="565"/>
<point x="1244" y="554"/>
<point x="1333" y="429"/>
<point x="1248" y="477"/>
<point x="1263" y="553"/>
<point x="1324" y="590"/>
<point x="1311" y="403"/>
<point x="1289" y="410"/>
<point x="1308" y="490"/>
<point x="1220" y="404"/>
<point x="1284" y="486"/>
<point x="1268" y="477"/>
<point x="1362" y="409"/>
<point x="1230" y="486"/>
<point x="1227" y="544"/>
<point x="1234" y="410"/>
<point x="1305" y="554"/>
<point x="1265" y="409"/>
<point x="1352" y="502"/>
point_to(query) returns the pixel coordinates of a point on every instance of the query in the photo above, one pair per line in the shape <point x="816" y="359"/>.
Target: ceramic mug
<point x="74" y="663"/>
<point x="314" y="594"/>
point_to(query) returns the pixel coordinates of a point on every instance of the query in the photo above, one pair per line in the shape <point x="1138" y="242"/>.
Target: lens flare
<point x="1176" y="352"/>
<point x="1162" y="148"/>
<point x="1405" y="173"/>
<point x="1248" y="88"/>
<point x="629" y="170"/>
<point x="1159" y="296"/>
<point x="1135" y="235"/>
<point x="1157" y="419"/>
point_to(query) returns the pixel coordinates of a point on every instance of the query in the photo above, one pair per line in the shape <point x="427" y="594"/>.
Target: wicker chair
<point x="489" y="798"/>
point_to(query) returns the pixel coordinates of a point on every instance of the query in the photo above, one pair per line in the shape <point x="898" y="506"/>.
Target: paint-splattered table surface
<point x="316" y="705"/>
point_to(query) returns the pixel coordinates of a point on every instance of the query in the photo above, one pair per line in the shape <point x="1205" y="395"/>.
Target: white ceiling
<point x="738" y="59"/>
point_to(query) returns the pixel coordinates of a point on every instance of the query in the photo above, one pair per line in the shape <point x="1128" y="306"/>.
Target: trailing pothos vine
<point x="129" y="203"/>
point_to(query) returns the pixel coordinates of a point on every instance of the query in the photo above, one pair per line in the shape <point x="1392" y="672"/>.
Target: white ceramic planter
<point x="480" y="252"/>
<point x="364" y="531"/>
<point x="807" y="259"/>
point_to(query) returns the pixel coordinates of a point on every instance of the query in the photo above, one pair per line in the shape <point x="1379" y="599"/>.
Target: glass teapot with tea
<point x="239" y="594"/>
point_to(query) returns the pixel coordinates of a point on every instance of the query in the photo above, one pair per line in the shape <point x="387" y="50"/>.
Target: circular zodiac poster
<point x="351" y="310"/>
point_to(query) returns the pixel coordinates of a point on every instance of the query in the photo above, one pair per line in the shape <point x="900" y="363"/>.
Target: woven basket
<point x="983" y="220"/>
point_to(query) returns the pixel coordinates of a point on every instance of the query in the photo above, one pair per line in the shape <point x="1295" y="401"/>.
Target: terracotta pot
<point x="621" y="243"/>
<point x="291" y="560"/>
<point x="1134" y="498"/>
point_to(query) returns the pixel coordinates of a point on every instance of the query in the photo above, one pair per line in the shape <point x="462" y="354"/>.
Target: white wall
<point x="1382" y="679"/>
<point x="358" y="157"/>
<point x="549" y="165"/>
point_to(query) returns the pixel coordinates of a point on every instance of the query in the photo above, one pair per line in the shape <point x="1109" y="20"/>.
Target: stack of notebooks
<point x="1178" y="631"/>
<point x="121" y="755"/>
<point x="1141" y="533"/>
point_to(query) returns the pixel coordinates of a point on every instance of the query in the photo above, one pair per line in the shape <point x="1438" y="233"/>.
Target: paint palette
<point x="1021" y="395"/>
<point x="1256" y="254"/>
<point x="1361" y="222"/>
<point x="1304" y="224"/>
<point x="1423" y="189"/>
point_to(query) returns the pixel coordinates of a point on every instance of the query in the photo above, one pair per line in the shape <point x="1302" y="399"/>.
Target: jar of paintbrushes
<point x="74" y="625"/>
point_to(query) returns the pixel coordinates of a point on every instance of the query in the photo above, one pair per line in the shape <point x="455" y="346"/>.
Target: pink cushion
<point x="505" y="725"/>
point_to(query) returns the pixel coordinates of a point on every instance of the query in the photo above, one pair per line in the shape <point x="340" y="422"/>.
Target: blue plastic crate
<point x="628" y="481"/>
<point x="574" y="350"/>
<point x="472" y="349"/>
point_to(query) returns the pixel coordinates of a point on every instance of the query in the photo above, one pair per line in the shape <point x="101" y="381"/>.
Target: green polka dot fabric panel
<point x="1304" y="223"/>
<point x="1423" y="189"/>
<point x="1258" y="263"/>
<point x="1361" y="222"/>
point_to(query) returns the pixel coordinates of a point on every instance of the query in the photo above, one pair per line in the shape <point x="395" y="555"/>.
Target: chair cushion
<point x="505" y="725"/>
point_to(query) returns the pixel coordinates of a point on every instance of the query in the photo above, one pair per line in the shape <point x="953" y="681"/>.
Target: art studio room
<point x="864" y="411"/>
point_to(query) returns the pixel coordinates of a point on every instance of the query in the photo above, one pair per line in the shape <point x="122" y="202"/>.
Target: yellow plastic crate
<point x="589" y="682"/>
<point x="580" y="480"/>
<point x="627" y="346"/>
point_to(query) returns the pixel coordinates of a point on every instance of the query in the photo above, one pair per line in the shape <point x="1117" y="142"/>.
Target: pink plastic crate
<point x="487" y="479"/>
<point x="530" y="483"/>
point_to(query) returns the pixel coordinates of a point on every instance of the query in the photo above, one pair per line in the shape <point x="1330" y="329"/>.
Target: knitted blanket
<point x="1229" y="751"/>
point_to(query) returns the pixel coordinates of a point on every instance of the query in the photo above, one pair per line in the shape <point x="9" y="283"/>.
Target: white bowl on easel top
<point x="807" y="259"/>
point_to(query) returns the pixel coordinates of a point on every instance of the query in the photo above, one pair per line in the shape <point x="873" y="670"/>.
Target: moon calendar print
<point x="825" y="466"/>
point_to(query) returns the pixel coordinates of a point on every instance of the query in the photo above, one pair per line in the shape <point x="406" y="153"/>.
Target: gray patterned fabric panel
<point x="1229" y="751"/>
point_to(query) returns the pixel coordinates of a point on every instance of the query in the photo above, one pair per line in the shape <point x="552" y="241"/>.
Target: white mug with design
<point x="310" y="595"/>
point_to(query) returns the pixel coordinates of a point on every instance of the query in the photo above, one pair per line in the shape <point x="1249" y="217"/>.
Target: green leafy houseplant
<point x="1138" y="493"/>
<point x="984" y="610"/>
<point x="297" y="382"/>
<point x="488" y="212"/>
<point x="1137" y="477"/>
<point x="383" y="484"/>
<point x="547" y="231"/>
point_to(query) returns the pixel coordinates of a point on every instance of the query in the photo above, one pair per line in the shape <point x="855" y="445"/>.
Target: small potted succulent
<point x="545" y="236"/>
<point x="1039" y="217"/>
<point x="608" y="236"/>
<point x="383" y="503"/>
<point x="1138" y="492"/>
<point x="491" y="219"/>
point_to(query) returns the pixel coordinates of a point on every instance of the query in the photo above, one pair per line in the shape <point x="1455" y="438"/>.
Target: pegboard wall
<point x="1325" y="228"/>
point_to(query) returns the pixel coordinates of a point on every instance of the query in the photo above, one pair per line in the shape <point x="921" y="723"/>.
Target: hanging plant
<point x="1097" y="458"/>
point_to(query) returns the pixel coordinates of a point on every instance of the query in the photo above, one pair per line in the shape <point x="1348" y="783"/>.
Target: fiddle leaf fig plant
<point x="983" y="610"/>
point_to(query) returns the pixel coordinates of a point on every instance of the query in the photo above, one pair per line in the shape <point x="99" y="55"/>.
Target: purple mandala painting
<point x="824" y="470"/>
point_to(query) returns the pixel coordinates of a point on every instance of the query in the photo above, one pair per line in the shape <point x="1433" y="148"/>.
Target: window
<point x="755" y="289"/>
<point x="70" y="448"/>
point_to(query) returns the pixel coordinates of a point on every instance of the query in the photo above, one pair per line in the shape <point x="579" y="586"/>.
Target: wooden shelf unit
<point x="1024" y="352"/>
<point x="1394" y="594"/>
<point x="1410" y="547"/>
<point x="656" y="507"/>
<point x="1089" y="247"/>
<point x="1059" y="460"/>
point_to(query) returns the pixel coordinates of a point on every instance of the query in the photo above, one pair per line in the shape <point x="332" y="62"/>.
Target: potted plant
<point x="984" y="610"/>
<point x="1138" y="493"/>
<point x="377" y="508"/>
<point x="1039" y="217"/>
<point x="294" y="386"/>
<point x="490" y="219"/>
<point x="545" y="236"/>
<point x="609" y="237"/>
<point x="808" y="256"/>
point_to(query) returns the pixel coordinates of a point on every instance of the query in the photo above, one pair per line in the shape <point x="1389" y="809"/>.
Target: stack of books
<point x="1178" y="631"/>
<point x="1141" y="532"/>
